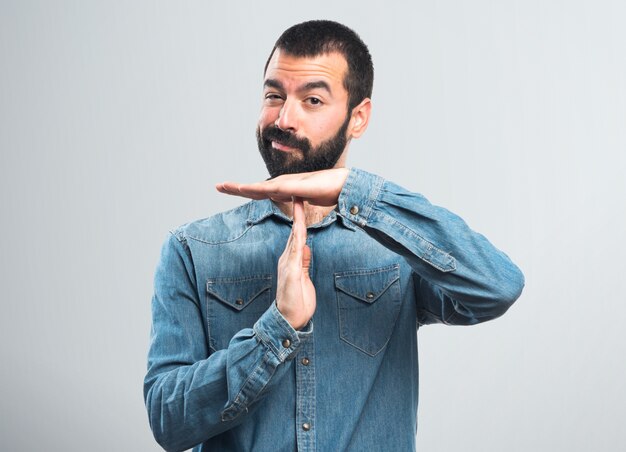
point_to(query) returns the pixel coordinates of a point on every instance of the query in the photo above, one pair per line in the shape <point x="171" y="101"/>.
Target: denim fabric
<point x="226" y="371"/>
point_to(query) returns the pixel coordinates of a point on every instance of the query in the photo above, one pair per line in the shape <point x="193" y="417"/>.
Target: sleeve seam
<point x="237" y="402"/>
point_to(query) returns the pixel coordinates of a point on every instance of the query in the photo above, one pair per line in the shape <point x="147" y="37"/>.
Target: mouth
<point x="281" y="147"/>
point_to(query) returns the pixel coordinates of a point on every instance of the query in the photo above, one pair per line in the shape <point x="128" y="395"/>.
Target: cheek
<point x="268" y="116"/>
<point x="327" y="128"/>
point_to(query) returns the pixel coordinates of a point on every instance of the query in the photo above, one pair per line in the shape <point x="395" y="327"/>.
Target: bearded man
<point x="289" y="323"/>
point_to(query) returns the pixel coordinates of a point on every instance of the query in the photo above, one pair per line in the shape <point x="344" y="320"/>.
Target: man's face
<point x="304" y="119"/>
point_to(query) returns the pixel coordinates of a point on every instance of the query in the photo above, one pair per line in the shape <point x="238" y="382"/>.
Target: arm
<point x="191" y="396"/>
<point x="460" y="278"/>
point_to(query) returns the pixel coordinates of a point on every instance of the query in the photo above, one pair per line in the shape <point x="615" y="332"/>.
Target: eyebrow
<point x="271" y="83"/>
<point x="318" y="84"/>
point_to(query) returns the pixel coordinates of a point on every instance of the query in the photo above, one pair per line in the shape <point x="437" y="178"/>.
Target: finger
<point x="298" y="211"/>
<point x="282" y="187"/>
<point x="298" y="232"/>
<point x="279" y="198"/>
<point x="319" y="188"/>
<point x="288" y="246"/>
<point x="306" y="261"/>
<point x="230" y="188"/>
<point x="235" y="189"/>
<point x="267" y="189"/>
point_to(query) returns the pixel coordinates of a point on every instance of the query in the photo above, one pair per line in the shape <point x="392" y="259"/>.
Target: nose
<point x="287" y="117"/>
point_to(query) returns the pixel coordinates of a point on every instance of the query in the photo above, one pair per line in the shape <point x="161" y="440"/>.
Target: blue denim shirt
<point x="226" y="371"/>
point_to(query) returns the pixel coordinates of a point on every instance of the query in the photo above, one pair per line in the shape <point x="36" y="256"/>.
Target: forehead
<point x="331" y="67"/>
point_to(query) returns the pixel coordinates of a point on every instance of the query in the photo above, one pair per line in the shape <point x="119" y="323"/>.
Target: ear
<point x="360" y="118"/>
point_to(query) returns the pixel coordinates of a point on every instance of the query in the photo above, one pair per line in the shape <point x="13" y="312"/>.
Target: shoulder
<point x="219" y="228"/>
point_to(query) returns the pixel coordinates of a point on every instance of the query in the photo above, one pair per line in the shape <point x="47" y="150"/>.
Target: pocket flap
<point x="238" y="292"/>
<point x="367" y="285"/>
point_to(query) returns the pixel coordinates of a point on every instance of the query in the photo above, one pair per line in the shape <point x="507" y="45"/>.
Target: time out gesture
<point x="318" y="188"/>
<point x="295" y="293"/>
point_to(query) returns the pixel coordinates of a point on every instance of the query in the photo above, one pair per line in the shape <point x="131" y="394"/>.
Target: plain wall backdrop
<point x="117" y="118"/>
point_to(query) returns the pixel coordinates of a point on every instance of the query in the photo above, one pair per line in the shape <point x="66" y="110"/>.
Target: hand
<point x="295" y="293"/>
<point x="320" y="188"/>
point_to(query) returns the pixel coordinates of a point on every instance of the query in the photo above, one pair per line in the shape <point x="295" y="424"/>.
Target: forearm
<point x="462" y="269"/>
<point x="189" y="404"/>
<point x="191" y="396"/>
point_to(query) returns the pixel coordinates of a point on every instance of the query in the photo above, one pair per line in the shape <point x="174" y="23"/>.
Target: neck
<point x="312" y="214"/>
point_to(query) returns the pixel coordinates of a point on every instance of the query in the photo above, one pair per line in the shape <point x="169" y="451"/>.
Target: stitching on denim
<point x="179" y="235"/>
<point x="208" y="322"/>
<point x="439" y="250"/>
<point x="247" y="301"/>
<point x="367" y="271"/>
<point x="249" y="381"/>
<point x="218" y="296"/>
<point x="381" y="291"/>
<point x="364" y="351"/>
<point x="392" y="270"/>
<point x="347" y="222"/>
<point x="197" y="239"/>
<point x="237" y="401"/>
<point x="267" y="342"/>
<point x="348" y="187"/>
<point x="369" y="207"/>
<point x="211" y="283"/>
<point x="241" y="279"/>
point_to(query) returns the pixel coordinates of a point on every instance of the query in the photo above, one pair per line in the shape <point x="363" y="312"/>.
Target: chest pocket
<point x="234" y="304"/>
<point x="368" y="304"/>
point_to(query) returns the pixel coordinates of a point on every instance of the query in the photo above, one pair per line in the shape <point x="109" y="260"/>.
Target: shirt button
<point x="306" y="426"/>
<point x="370" y="295"/>
<point x="286" y="343"/>
<point x="238" y="301"/>
<point x="354" y="210"/>
<point x="305" y="361"/>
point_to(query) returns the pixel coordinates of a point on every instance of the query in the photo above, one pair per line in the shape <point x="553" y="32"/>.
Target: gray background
<point x="116" y="119"/>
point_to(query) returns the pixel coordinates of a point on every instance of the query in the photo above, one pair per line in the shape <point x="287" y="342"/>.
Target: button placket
<point x="305" y="396"/>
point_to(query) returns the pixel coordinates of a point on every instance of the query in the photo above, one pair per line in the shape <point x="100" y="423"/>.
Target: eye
<point x="314" y="101"/>
<point x="273" y="98"/>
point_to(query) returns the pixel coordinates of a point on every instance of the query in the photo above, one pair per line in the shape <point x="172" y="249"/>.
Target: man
<point x="290" y="323"/>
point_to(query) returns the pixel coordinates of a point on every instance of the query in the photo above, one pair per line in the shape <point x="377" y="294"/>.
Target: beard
<point x="324" y="156"/>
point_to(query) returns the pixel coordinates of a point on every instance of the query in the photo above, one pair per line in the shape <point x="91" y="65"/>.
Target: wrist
<point x="296" y="321"/>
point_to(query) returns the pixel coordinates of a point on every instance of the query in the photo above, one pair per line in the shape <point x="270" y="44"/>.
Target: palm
<point x="308" y="289"/>
<point x="320" y="188"/>
<point x="295" y="297"/>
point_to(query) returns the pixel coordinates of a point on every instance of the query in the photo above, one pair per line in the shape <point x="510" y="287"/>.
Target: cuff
<point x="358" y="195"/>
<point x="275" y="332"/>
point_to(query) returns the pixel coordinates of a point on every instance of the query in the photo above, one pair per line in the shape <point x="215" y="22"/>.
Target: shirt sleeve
<point x="192" y="395"/>
<point x="459" y="276"/>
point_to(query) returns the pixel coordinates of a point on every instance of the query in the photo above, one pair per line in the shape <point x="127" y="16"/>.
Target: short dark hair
<point x="319" y="37"/>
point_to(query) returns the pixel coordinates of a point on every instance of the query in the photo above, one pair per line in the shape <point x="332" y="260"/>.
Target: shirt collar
<point x="260" y="210"/>
<point x="264" y="208"/>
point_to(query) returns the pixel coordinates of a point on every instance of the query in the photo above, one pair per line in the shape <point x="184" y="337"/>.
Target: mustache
<point x="273" y="133"/>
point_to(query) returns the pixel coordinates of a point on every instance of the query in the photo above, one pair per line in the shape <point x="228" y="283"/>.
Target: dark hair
<point x="318" y="37"/>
